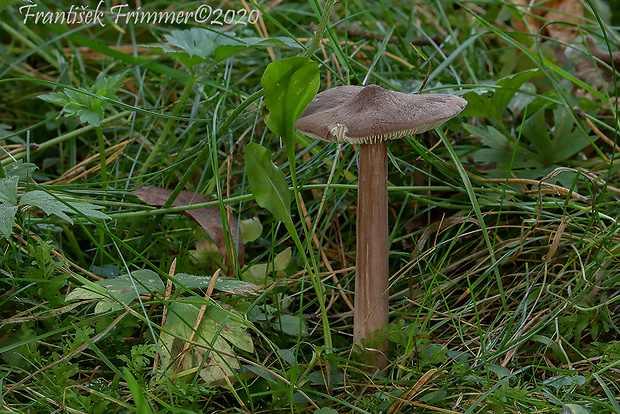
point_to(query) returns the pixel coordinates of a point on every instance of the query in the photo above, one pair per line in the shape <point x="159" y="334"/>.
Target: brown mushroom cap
<point x="365" y="115"/>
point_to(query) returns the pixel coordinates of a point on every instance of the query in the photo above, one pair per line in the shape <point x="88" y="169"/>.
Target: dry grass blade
<point x="410" y="393"/>
<point x="201" y="313"/>
<point x="67" y="357"/>
<point x="326" y="260"/>
<point x="168" y="293"/>
<point x="57" y="254"/>
<point x="594" y="128"/>
<point x="42" y="316"/>
<point x="553" y="188"/>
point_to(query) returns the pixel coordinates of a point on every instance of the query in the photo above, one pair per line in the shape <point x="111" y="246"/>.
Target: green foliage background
<point x="504" y="222"/>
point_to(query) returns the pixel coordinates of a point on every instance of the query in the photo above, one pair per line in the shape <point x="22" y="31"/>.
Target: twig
<point x="201" y="314"/>
<point x="597" y="131"/>
<point x="171" y="273"/>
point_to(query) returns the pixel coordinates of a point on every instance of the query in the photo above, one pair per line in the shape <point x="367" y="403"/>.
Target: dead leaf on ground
<point x="208" y="218"/>
<point x="540" y="12"/>
<point x="598" y="76"/>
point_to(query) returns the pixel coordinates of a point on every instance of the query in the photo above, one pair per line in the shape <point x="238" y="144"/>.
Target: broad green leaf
<point x="120" y="290"/>
<point x="5" y="130"/>
<point x="8" y="190"/>
<point x="545" y="340"/>
<point x="88" y="109"/>
<point x="248" y="43"/>
<point x="325" y="410"/>
<point x="55" y="97"/>
<point x="494" y="107"/>
<point x="560" y="381"/>
<point x="288" y="355"/>
<point x="501" y="151"/>
<point x="217" y="331"/>
<point x="108" y="85"/>
<point x="290" y="84"/>
<point x="479" y="105"/>
<point x="509" y="86"/>
<point x="291" y="324"/>
<point x="535" y="131"/>
<point x="262" y="373"/>
<point x="232" y="326"/>
<point x="92" y="116"/>
<point x="433" y="354"/>
<point x="568" y="137"/>
<point x="224" y="284"/>
<point x="90" y="290"/>
<point x="7" y="219"/>
<point x="77" y="98"/>
<point x="216" y="364"/>
<point x="51" y="205"/>
<point x="196" y="41"/>
<point x="207" y="253"/>
<point x="499" y="370"/>
<point x="267" y="182"/>
<point x="336" y="377"/>
<point x="527" y="98"/>
<point x="251" y="229"/>
<point x="282" y="259"/>
<point x="434" y="397"/>
<point x="89" y="210"/>
<point x="21" y="169"/>
<point x="257" y="272"/>
<point x="143" y="281"/>
<point x="47" y="203"/>
<point x="197" y="45"/>
<point x="574" y="409"/>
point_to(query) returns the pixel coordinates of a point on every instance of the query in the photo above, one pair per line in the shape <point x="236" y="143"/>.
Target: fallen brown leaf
<point x="540" y="12"/>
<point x="569" y="11"/>
<point x="208" y="218"/>
<point x="598" y="76"/>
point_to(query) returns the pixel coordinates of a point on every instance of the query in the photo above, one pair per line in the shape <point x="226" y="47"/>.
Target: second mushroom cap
<point x="363" y="115"/>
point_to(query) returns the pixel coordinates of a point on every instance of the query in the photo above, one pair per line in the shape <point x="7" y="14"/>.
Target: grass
<point x="504" y="232"/>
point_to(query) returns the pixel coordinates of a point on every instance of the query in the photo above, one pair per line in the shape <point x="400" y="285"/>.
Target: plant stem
<point x="371" y="307"/>
<point x="102" y="158"/>
<point x="321" y="29"/>
<point x="311" y="265"/>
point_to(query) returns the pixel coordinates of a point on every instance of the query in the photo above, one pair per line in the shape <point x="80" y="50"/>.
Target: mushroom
<point x="370" y="116"/>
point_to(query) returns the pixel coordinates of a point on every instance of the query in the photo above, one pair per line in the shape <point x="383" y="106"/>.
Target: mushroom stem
<point x="371" y="308"/>
<point x="370" y="116"/>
